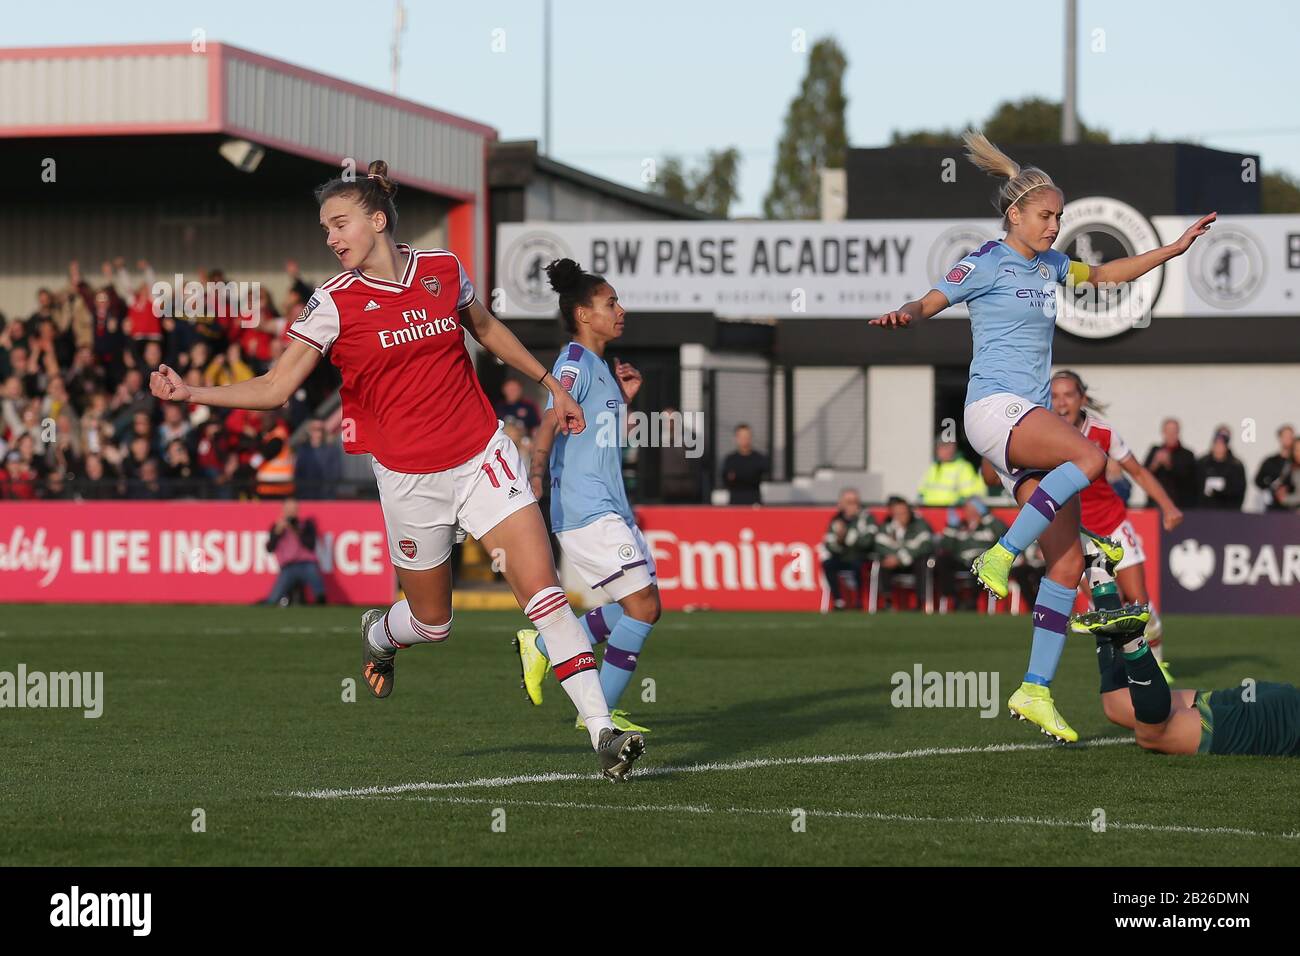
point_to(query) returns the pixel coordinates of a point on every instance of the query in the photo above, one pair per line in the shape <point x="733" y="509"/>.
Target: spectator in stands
<point x="144" y="484"/>
<point x="848" y="543"/>
<point x="949" y="479"/>
<point x="63" y="454"/>
<point x="97" y="480"/>
<point x="293" y="542"/>
<point x="179" y="469"/>
<point x="903" y="544"/>
<point x="679" y="480"/>
<point x="1174" y="466"/>
<point x="228" y="368"/>
<point x="515" y="407"/>
<point x="56" y="487"/>
<point x="19" y="479"/>
<point x="1220" y="476"/>
<point x="1290" y="479"/>
<point x="970" y="532"/>
<point x="744" y="470"/>
<point x="1275" y="477"/>
<point x="12" y="403"/>
<point x="300" y="289"/>
<point x="274" y="461"/>
<point x="84" y="379"/>
<point x="139" y="449"/>
<point x="174" y="426"/>
<point x="107" y="331"/>
<point x="319" y="464"/>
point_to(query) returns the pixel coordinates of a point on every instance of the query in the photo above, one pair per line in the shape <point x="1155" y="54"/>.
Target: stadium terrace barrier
<point x="1227" y="563"/>
<point x="197" y="552"/>
<point x="769" y="559"/>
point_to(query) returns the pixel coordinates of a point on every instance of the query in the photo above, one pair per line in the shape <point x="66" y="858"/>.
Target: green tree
<point x="1032" y="120"/>
<point x="814" y="138"/>
<point x="718" y="184"/>
<point x="671" y="180"/>
<point x="1279" y="193"/>
<point x="712" y="187"/>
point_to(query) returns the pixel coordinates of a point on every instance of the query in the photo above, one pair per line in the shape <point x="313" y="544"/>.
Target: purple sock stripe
<point x="620" y="658"/>
<point x="1049" y="619"/>
<point x="599" y="629"/>
<point x="1045" y="504"/>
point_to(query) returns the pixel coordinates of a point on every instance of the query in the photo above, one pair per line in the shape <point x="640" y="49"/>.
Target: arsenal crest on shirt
<point x="432" y="284"/>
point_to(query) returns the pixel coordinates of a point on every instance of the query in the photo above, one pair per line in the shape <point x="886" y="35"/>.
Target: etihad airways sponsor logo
<point x="418" y="326"/>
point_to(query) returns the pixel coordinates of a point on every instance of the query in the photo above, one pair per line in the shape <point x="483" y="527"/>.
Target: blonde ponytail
<point x="1020" y="181"/>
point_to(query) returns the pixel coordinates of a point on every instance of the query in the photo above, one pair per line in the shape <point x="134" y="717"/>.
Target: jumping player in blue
<point x="1009" y="286"/>
<point x="590" y="514"/>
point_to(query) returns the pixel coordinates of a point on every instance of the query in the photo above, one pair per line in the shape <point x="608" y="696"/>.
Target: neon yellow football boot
<point x="533" y="664"/>
<point x="1110" y="549"/>
<point x="992" y="568"/>
<point x="621" y="720"/>
<point x="1120" y="624"/>
<point x="1033" y="702"/>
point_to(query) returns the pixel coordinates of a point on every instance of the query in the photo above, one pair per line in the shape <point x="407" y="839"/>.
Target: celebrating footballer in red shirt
<point x="393" y="323"/>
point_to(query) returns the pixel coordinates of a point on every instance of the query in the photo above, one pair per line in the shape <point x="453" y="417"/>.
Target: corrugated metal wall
<point x="340" y="124"/>
<point x="248" y="240"/>
<point x="167" y="88"/>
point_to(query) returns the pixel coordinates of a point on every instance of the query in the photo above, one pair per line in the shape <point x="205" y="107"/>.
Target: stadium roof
<point x="170" y="88"/>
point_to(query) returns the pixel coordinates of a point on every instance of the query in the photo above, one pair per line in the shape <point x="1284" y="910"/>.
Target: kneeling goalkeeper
<point x="1260" y="718"/>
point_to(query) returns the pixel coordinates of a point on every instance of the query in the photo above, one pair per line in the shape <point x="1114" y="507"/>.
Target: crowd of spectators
<point x="77" y="419"/>
<point x="905" y="554"/>
<point x="1217" y="479"/>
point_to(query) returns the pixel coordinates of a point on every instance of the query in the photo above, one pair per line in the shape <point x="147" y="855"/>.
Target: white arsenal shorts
<point x="610" y="555"/>
<point x="989" y="422"/>
<point x="422" y="512"/>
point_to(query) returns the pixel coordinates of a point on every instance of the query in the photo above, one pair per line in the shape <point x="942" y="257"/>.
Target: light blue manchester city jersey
<point x="587" y="469"/>
<point x="1012" y="302"/>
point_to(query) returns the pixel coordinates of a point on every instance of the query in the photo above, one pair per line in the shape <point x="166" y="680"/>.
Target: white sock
<point x="571" y="656"/>
<point x="399" y="628"/>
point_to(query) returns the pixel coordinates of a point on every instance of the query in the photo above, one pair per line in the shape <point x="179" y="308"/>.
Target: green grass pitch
<point x="235" y="710"/>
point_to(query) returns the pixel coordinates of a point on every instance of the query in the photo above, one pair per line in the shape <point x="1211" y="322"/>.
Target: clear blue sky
<point x="638" y="80"/>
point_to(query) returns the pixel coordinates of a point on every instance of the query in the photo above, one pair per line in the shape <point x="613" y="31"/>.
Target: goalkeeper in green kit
<point x="1260" y="718"/>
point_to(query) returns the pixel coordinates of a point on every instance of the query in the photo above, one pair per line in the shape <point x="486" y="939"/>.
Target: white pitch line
<point x="754" y="764"/>
<point x="844" y="815"/>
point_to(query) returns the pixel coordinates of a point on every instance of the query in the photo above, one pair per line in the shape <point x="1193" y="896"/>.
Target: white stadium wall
<point x="900" y="425"/>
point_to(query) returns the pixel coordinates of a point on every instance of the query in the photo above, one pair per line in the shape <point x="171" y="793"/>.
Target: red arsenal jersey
<point x="409" y="388"/>
<point x="1100" y="509"/>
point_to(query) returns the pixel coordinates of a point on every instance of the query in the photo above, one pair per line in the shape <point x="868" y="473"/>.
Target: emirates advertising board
<point x="753" y="559"/>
